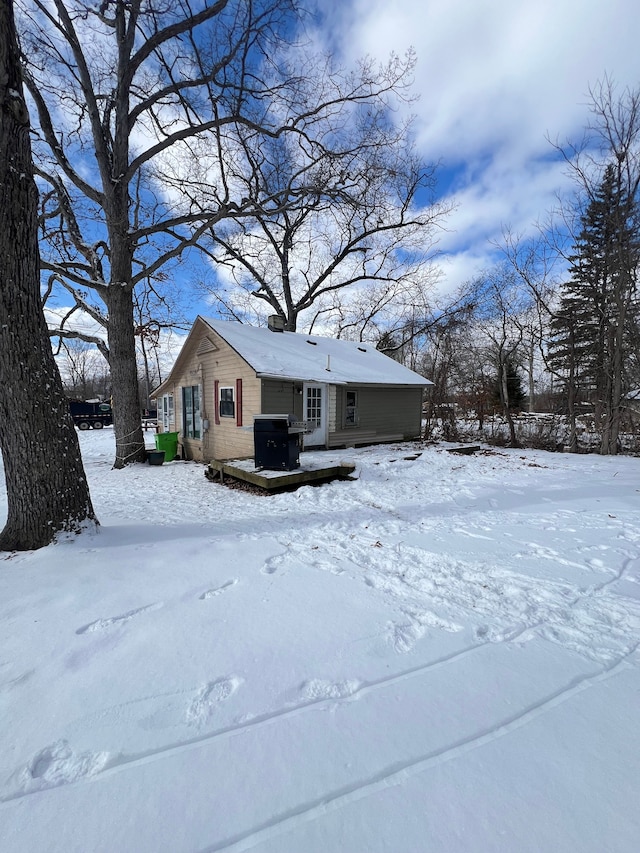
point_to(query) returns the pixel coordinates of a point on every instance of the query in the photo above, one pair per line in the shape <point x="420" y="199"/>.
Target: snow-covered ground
<point x="440" y="656"/>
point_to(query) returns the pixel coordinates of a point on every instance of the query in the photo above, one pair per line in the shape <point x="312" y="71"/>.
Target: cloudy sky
<point x="496" y="79"/>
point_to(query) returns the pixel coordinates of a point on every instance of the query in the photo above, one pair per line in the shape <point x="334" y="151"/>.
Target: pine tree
<point x="592" y="327"/>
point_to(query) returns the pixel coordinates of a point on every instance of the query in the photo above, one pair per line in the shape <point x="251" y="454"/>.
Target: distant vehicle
<point x="90" y="415"/>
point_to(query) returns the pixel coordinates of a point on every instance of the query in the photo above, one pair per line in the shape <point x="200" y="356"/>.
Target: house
<point x="226" y="373"/>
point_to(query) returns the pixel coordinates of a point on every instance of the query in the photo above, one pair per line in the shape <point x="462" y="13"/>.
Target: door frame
<point x="318" y="437"/>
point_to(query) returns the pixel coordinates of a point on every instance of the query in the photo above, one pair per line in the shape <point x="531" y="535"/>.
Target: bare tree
<point x="47" y="490"/>
<point x="604" y="254"/>
<point x="552" y="336"/>
<point x="117" y="89"/>
<point x="358" y="232"/>
<point x="592" y="239"/>
<point x="84" y="372"/>
<point x="439" y="364"/>
<point x="503" y="306"/>
<point x="124" y="92"/>
<point x="147" y="114"/>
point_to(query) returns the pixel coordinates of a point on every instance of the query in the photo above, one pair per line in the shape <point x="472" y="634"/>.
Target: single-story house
<point x="226" y="373"/>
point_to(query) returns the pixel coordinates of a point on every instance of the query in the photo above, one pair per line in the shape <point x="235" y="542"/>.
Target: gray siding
<point x="384" y="414"/>
<point x="280" y="397"/>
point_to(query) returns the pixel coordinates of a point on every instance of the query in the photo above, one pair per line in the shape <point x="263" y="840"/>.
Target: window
<point x="166" y="412"/>
<point x="227" y="402"/>
<point x="191" y="411"/>
<point x="351" y="409"/>
<point x="314" y="406"/>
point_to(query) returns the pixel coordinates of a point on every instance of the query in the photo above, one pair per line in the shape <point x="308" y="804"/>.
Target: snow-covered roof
<point x="289" y="355"/>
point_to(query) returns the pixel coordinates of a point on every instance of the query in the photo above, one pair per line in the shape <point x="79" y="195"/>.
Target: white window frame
<point x="231" y="398"/>
<point x="167" y="414"/>
<point x="351" y="417"/>
<point x="193" y="428"/>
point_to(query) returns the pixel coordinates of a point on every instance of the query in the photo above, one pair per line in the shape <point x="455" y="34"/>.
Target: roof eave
<point x="332" y="380"/>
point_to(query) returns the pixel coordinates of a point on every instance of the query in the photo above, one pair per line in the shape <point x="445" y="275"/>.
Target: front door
<point x="315" y="414"/>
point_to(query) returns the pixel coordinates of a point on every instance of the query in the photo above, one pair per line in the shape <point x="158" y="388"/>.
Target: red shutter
<point x="238" y="402"/>
<point x="216" y="402"/>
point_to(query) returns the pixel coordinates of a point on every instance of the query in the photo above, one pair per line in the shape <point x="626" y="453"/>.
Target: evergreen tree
<point x="595" y="321"/>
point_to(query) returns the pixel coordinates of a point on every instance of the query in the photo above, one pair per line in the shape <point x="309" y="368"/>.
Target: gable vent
<point x="206" y="345"/>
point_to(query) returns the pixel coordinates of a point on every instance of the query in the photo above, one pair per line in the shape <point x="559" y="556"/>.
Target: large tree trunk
<point x="530" y="375"/>
<point x="506" y="409"/>
<point x="124" y="376"/>
<point x="47" y="490"/>
<point x="572" y="394"/>
<point x="572" y="444"/>
<point x="611" y="430"/>
<point x="609" y="415"/>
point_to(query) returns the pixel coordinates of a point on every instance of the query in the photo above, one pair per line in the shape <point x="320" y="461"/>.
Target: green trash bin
<point x="167" y="441"/>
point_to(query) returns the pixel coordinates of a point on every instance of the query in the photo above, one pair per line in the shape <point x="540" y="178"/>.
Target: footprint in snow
<point x="209" y="696"/>
<point x="102" y="624"/>
<point x="272" y="565"/>
<point x="211" y="593"/>
<point x="58" y="764"/>
<point x="403" y="636"/>
<point x="316" y="689"/>
<point x="12" y="683"/>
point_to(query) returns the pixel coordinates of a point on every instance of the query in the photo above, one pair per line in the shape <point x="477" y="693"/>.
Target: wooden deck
<point x="272" y="481"/>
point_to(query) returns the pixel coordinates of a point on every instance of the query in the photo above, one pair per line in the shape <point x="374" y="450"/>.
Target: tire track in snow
<point x="365" y="687"/>
<point x="124" y="762"/>
<point x="398" y="774"/>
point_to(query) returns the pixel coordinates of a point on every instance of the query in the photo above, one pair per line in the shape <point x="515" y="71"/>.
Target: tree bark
<point x="47" y="491"/>
<point x="504" y="393"/>
<point x="572" y="389"/>
<point x="124" y="378"/>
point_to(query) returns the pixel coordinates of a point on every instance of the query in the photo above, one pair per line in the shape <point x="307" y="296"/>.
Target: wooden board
<point x="274" y="480"/>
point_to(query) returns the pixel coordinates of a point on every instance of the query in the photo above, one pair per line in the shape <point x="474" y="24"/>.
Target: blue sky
<point x="494" y="80"/>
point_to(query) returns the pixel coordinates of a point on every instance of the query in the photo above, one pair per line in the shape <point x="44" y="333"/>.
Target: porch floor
<point x="309" y="472"/>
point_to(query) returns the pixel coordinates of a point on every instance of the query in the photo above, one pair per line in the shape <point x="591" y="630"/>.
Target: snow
<point x="439" y="656"/>
<point x="289" y="355"/>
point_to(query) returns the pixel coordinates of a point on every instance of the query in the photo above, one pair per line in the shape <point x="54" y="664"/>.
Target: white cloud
<point x="496" y="79"/>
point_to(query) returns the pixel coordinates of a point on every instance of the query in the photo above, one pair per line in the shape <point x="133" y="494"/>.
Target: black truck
<point x="94" y="415"/>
